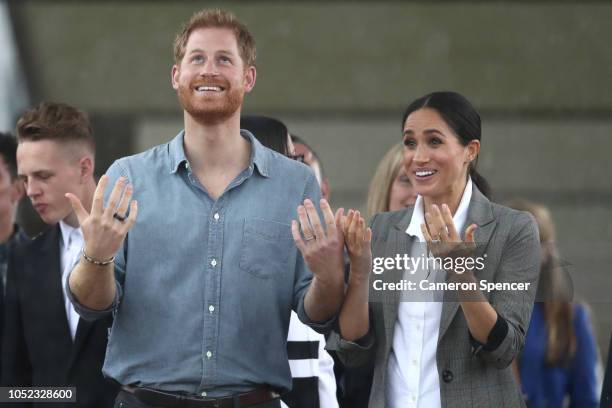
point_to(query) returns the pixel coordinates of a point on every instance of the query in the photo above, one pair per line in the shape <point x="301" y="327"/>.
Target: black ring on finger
<point x="119" y="217"/>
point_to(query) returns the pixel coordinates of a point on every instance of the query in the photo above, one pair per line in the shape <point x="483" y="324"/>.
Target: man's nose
<point x="32" y="188"/>
<point x="209" y="68"/>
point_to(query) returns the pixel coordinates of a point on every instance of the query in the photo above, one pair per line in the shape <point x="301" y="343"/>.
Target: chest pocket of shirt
<point x="266" y="248"/>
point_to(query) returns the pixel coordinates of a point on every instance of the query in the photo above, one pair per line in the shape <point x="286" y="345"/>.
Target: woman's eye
<point x="409" y="142"/>
<point x="435" y="141"/>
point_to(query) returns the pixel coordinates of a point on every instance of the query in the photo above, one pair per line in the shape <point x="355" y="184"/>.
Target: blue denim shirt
<point x="205" y="287"/>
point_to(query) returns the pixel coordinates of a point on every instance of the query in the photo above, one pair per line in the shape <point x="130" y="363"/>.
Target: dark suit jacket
<point x="468" y="377"/>
<point x="37" y="348"/>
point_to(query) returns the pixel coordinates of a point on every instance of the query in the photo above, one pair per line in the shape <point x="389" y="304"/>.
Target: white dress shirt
<point x="412" y="371"/>
<point x="70" y="248"/>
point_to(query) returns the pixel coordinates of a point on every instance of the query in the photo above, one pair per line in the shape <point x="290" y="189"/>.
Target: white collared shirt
<point x="70" y="248"/>
<point x="412" y="371"/>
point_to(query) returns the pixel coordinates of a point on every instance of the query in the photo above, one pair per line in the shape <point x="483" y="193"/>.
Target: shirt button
<point x="203" y="393"/>
<point x="413" y="398"/>
<point x="418" y="327"/>
<point x="213" y="262"/>
<point x="415" y="362"/>
<point x="216" y="216"/>
<point x="209" y="354"/>
<point x="211" y="308"/>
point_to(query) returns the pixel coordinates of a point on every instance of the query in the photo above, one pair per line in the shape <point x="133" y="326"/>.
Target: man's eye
<point x="198" y="59"/>
<point x="225" y="60"/>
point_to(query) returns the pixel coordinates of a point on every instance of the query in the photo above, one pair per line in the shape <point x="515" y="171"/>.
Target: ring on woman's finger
<point x="310" y="238"/>
<point x="436" y="240"/>
<point x="119" y="217"/>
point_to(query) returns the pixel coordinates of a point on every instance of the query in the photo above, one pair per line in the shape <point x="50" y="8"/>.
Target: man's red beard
<point x="210" y="110"/>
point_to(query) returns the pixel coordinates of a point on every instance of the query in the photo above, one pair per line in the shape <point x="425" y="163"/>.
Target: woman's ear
<point x="473" y="148"/>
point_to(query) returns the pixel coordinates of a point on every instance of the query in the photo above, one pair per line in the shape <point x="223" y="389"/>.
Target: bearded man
<point x="206" y="278"/>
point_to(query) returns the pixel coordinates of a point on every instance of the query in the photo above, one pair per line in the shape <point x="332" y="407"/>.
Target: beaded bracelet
<point x="95" y="261"/>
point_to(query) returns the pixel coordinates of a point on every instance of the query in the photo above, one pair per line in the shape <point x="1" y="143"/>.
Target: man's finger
<point x="328" y="216"/>
<point x="304" y="223"/>
<point x="97" y="206"/>
<point x="125" y="200"/>
<point x="131" y="220"/>
<point x="78" y="208"/>
<point x="113" y="199"/>
<point x="297" y="238"/>
<point x="313" y="216"/>
<point x="339" y="220"/>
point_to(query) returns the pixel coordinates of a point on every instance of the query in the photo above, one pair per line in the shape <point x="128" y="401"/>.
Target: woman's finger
<point x="450" y="224"/>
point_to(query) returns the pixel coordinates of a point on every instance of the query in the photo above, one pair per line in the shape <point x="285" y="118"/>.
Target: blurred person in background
<point x="312" y="368"/>
<point x="560" y="357"/>
<point x="11" y="192"/>
<point x="310" y="157"/>
<point x="390" y="188"/>
<point x="46" y="343"/>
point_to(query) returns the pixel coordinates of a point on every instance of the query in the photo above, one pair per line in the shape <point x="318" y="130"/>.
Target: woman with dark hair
<point x="452" y="347"/>
<point x="270" y="132"/>
<point x="560" y="356"/>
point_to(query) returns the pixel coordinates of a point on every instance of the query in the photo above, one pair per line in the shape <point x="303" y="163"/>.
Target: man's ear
<point x="174" y="76"/>
<point x="86" y="167"/>
<point x="250" y="75"/>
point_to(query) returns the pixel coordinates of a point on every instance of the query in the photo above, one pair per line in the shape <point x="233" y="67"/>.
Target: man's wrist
<point x="96" y="261"/>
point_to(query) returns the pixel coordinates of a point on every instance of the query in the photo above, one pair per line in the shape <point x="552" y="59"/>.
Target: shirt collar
<point x="418" y="214"/>
<point x="259" y="156"/>
<point x="67" y="230"/>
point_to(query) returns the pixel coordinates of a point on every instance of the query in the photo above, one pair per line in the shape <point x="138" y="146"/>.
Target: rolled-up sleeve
<point x="520" y="263"/>
<point x="114" y="172"/>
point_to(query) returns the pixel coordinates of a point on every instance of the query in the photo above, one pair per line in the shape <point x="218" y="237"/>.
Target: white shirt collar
<point x="67" y="230"/>
<point x="460" y="217"/>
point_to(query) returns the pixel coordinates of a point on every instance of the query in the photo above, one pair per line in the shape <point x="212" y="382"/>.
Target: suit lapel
<point x="480" y="213"/>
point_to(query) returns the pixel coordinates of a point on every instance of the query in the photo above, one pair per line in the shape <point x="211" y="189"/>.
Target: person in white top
<point x="450" y="347"/>
<point x="46" y="343"/>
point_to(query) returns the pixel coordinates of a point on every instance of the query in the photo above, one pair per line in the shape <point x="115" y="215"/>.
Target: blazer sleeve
<point x="520" y="263"/>
<point x="16" y="367"/>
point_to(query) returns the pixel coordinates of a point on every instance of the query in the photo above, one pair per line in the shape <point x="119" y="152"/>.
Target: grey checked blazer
<point x="469" y="377"/>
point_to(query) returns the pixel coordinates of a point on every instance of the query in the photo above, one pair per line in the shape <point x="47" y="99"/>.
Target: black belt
<point x="170" y="400"/>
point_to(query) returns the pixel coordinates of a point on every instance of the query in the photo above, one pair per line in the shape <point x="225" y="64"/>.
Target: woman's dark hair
<point x="270" y="132"/>
<point x="459" y="115"/>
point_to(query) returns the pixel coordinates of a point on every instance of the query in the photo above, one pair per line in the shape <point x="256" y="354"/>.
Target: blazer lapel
<point x="398" y="243"/>
<point x="49" y="273"/>
<point x="83" y="330"/>
<point x="480" y="213"/>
